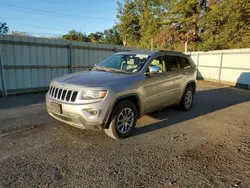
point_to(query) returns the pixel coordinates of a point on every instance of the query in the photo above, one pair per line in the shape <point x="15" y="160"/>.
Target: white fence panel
<point x="241" y="60"/>
<point x="235" y="76"/>
<point x="225" y="66"/>
<point x="209" y="73"/>
<point x="209" y="59"/>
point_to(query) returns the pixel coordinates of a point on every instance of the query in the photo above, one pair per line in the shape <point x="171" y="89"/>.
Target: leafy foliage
<point x="169" y="24"/>
<point x="112" y="36"/>
<point x="76" y="35"/>
<point x="129" y="22"/>
<point x="227" y="25"/>
<point x="204" y="24"/>
<point x="3" y="28"/>
<point x="95" y="37"/>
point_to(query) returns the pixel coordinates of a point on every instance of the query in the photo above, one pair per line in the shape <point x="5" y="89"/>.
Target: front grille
<point x="62" y="94"/>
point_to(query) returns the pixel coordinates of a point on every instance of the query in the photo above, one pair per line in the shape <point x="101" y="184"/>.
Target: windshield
<point x="125" y="63"/>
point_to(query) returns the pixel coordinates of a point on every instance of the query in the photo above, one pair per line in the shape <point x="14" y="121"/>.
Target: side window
<point x="173" y="63"/>
<point x="159" y="61"/>
<point x="184" y="62"/>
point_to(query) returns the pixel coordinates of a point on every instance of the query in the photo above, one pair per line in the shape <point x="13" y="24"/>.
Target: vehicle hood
<point x="93" y="78"/>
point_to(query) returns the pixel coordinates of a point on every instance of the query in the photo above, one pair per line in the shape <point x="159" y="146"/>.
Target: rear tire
<point x="187" y="99"/>
<point x="123" y="120"/>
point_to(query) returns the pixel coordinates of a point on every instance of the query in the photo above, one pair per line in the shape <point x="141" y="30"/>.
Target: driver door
<point x="158" y="87"/>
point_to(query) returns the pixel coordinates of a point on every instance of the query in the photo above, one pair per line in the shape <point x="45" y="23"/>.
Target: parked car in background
<point x="115" y="93"/>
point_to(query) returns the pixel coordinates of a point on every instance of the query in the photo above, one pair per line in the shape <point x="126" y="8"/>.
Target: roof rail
<point x="169" y="51"/>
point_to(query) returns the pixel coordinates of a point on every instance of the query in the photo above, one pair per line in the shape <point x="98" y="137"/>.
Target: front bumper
<point x="77" y="116"/>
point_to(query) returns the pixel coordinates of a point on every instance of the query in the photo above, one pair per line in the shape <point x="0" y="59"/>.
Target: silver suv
<point x="119" y="90"/>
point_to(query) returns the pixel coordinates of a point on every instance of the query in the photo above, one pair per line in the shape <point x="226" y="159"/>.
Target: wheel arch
<point x="190" y="83"/>
<point x="133" y="97"/>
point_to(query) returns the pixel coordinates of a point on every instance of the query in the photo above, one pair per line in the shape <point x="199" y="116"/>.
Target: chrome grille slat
<point x="53" y="90"/>
<point x="73" y="98"/>
<point x="71" y="95"/>
<point x="50" y="89"/>
<point x="56" y="93"/>
<point x="66" y="95"/>
<point x="59" y="93"/>
<point x="62" y="94"/>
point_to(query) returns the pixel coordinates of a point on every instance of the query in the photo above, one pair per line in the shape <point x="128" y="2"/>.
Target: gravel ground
<point x="208" y="146"/>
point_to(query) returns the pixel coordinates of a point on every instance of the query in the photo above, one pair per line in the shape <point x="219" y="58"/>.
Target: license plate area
<point x="56" y="107"/>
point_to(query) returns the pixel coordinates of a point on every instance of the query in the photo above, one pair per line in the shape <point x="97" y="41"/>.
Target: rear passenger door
<point x="174" y="69"/>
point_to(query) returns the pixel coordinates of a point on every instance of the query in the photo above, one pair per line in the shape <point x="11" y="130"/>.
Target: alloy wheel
<point x="188" y="99"/>
<point x="125" y="120"/>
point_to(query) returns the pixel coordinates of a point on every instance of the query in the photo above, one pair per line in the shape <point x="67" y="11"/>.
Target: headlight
<point x="93" y="94"/>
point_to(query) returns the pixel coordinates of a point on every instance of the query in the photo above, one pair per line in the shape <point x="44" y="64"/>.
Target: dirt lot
<point x="208" y="146"/>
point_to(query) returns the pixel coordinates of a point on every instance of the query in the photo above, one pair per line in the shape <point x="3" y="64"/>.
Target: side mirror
<point x="154" y="70"/>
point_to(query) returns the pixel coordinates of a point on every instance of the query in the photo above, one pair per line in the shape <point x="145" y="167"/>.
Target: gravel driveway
<point x="208" y="146"/>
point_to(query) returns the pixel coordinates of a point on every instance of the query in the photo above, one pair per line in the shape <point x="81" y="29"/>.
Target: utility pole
<point x="186" y="46"/>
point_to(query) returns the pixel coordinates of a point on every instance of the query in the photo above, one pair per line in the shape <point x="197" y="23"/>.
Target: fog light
<point x="92" y="112"/>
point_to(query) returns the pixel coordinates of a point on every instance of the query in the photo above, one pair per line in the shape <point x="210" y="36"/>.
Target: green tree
<point x="76" y="35"/>
<point x="129" y="22"/>
<point x="226" y="25"/>
<point x="112" y="36"/>
<point x="183" y="19"/>
<point x="150" y="21"/>
<point x="160" y="23"/>
<point x="3" y="28"/>
<point x="96" y="37"/>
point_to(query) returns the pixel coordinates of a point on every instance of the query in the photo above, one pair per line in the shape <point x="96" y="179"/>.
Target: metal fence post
<point x="198" y="76"/>
<point x="221" y="61"/>
<point x="4" y="90"/>
<point x="70" y="58"/>
<point x="198" y="59"/>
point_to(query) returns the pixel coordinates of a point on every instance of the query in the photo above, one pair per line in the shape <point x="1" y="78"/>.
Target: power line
<point x="41" y="27"/>
<point x="39" y="33"/>
<point x="41" y="22"/>
<point x="53" y="13"/>
<point x="47" y="28"/>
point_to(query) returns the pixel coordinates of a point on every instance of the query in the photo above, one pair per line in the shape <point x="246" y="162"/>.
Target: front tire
<point x="123" y="120"/>
<point x="187" y="99"/>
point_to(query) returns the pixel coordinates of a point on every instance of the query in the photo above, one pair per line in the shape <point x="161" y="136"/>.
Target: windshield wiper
<point x="118" y="71"/>
<point x="109" y="70"/>
<point x="99" y="69"/>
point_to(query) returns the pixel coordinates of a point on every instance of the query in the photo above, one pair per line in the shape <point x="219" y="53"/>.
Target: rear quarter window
<point x="173" y="63"/>
<point x="184" y="62"/>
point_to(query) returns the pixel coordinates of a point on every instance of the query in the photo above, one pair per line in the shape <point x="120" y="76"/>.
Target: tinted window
<point x="173" y="63"/>
<point x="184" y="62"/>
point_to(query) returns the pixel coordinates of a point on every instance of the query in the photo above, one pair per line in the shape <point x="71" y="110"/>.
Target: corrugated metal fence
<point x="231" y="67"/>
<point x="29" y="63"/>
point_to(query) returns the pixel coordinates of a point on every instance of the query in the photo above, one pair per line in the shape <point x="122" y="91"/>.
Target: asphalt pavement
<point x="208" y="146"/>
